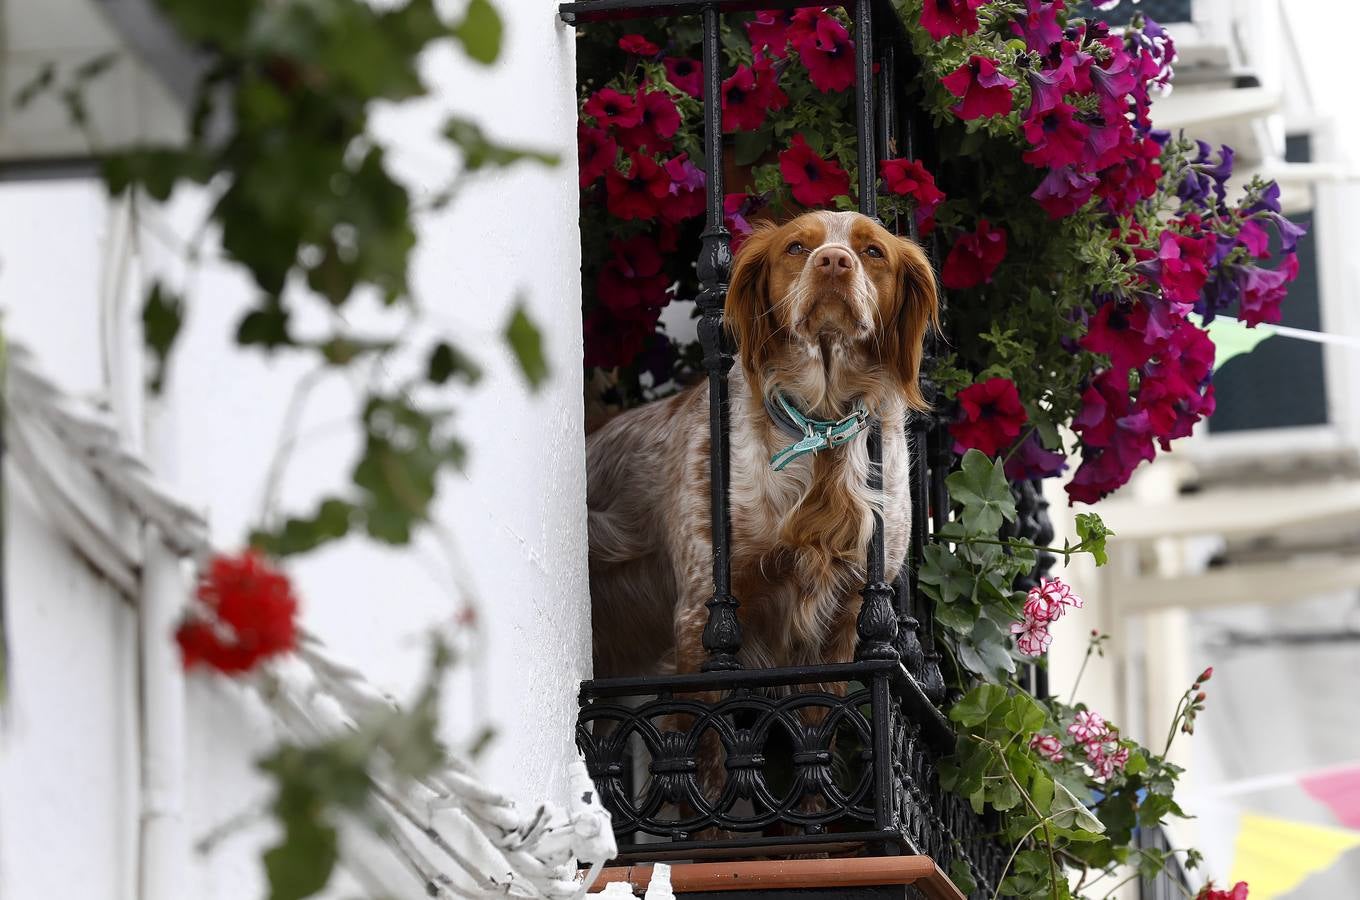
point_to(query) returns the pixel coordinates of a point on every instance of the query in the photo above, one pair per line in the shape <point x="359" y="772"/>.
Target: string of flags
<point x="1276" y="855"/>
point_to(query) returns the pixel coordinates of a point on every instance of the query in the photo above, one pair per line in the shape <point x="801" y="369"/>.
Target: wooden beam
<point x="792" y="874"/>
<point x="1240" y="583"/>
<point x="1238" y="513"/>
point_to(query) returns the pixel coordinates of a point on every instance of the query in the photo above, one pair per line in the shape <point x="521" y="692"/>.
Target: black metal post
<point x="722" y="633"/>
<point x="877" y="623"/>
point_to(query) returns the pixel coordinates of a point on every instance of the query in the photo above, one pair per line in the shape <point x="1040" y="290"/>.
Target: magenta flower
<point x="1030" y="461"/>
<point x="908" y="178"/>
<point x="974" y="257"/>
<point x="990" y="416"/>
<point x="829" y="55"/>
<point x="638" y="45"/>
<point x="1254" y="238"/>
<point x="596" y="152"/>
<point x="1047" y="746"/>
<point x="982" y="87"/>
<point x="610" y="108"/>
<point x="1120" y="331"/>
<point x="686" y="74"/>
<point x="1048" y="85"/>
<point x="1106" y="758"/>
<point x="1263" y="290"/>
<point x="659" y="121"/>
<point x="1064" y="191"/>
<point x="942" y="18"/>
<point x="1039" y="25"/>
<point x="1057" y="138"/>
<point x="1181" y="267"/>
<point x="769" y="31"/>
<point x="750" y="93"/>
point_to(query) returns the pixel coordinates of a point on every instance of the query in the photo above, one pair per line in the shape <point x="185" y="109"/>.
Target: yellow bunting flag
<point x="1274" y="856"/>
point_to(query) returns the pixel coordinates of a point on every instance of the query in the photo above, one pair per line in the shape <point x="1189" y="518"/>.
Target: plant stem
<point x="1065" y="552"/>
<point x="1090" y="648"/>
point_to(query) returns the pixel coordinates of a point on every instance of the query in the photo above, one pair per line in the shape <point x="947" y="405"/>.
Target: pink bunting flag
<point x="1339" y="790"/>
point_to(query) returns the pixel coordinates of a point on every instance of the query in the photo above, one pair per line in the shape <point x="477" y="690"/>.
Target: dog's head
<point x="833" y="307"/>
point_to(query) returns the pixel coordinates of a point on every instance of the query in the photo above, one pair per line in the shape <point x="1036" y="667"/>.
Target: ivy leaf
<point x="480" y="32"/>
<point x="1093" y="532"/>
<point x="162" y="317"/>
<point x="978" y="705"/>
<point x="301" y="865"/>
<point x="1072" y="813"/>
<point x="447" y="361"/>
<point x="1025" y="716"/>
<point x="330" y="522"/>
<point x="981" y="487"/>
<point x="479" y="151"/>
<point x="962" y="876"/>
<point x="527" y="344"/>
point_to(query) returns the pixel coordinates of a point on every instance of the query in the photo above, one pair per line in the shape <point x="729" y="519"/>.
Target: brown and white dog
<point x="830" y="310"/>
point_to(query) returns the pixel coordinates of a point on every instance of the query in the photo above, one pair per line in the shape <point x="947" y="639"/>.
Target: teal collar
<point x="814" y="435"/>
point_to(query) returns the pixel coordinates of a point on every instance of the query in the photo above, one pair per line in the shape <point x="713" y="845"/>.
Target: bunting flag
<point x="1274" y="856"/>
<point x="1339" y="791"/>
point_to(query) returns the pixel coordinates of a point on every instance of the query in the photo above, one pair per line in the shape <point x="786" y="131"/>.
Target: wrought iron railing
<point x="811" y="759"/>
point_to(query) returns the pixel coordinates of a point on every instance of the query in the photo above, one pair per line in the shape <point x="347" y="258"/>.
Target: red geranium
<point x="660" y="120"/>
<point x="814" y="181"/>
<point x="611" y="108"/>
<point x="974" y="257"/>
<point x="990" y="416"/>
<point x="596" y="152"/>
<point x="749" y="94"/>
<point x="909" y="178"/>
<point x="639" y="45"/>
<point x="829" y="54"/>
<point x="246" y="614"/>
<point x="982" y="87"/>
<point x="941" y="18"/>
<point x="686" y="74"/>
<point x="636" y="195"/>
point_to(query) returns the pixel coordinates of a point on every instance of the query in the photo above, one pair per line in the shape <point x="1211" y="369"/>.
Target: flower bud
<point x="1205" y="675"/>
<point x="1201" y="697"/>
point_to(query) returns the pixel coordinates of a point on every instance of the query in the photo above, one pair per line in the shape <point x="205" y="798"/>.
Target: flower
<point x="685" y="198"/>
<point x="1048" y="84"/>
<point x="736" y="207"/>
<point x="990" y="416"/>
<point x="636" y="195"/>
<point x="1263" y="290"/>
<point x="246" y="613"/>
<point x="1120" y="331"/>
<point x="615" y="340"/>
<point x="1209" y="892"/>
<point x="596" y="151"/>
<point x="829" y="55"/>
<point x="909" y="178"/>
<point x="1049" y="599"/>
<point x="982" y="87"/>
<point x="1252" y="236"/>
<point x="1106" y="757"/>
<point x="1088" y="727"/>
<point x="659" y="120"/>
<point x="610" y="108"/>
<point x="638" y="45"/>
<point x="1181" y="267"/>
<point x="749" y="94"/>
<point x="941" y="18"/>
<point x="1056" y="137"/>
<point x="632" y="277"/>
<point x="1064" y="191"/>
<point x="1204" y="676"/>
<point x="1039" y="25"/>
<point x="974" y="257"/>
<point x="1047" y="746"/>
<point x="1031" y="637"/>
<point x="768" y="31"/>
<point x="1030" y="461"/>
<point x="814" y="181"/>
<point x="686" y="74"/>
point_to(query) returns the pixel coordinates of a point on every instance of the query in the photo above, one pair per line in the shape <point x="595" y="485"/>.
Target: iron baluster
<point x="722" y="632"/>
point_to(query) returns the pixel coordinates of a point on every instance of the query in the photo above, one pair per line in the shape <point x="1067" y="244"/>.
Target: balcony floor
<point x="860" y="878"/>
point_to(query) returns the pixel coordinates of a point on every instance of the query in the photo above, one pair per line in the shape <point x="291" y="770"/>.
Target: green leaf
<point x="1069" y="812"/>
<point x="301" y="865"/>
<point x="94" y="67"/>
<point x="1092" y="532"/>
<point x="479" y="151"/>
<point x="480" y="32"/>
<point x="962" y="876"/>
<point x="750" y="146"/>
<point x="447" y="361"/>
<point x="39" y="84"/>
<point x="527" y="344"/>
<point x="978" y="705"/>
<point x="162" y="317"/>
<point x="330" y="522"/>
<point x="1026" y="716"/>
<point x="265" y="327"/>
<point x="980" y="486"/>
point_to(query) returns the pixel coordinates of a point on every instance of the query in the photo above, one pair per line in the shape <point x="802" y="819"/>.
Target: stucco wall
<point x="69" y="766"/>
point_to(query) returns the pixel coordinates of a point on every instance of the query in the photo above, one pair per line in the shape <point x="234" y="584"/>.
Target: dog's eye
<point x="873" y="252"/>
<point x="795" y="248"/>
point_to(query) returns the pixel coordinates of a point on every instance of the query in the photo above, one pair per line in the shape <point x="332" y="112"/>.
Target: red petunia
<point x="941" y="18"/>
<point x="1064" y="191"/>
<point x="632" y="277"/>
<point x="829" y="55"/>
<point x="660" y="120"/>
<point x="974" y="257"/>
<point x="637" y="194"/>
<point x="1056" y="138"/>
<point x="685" y="197"/>
<point x="814" y="181"/>
<point x="908" y="178"/>
<point x="983" y="90"/>
<point x="610" y="108"/>
<point x="769" y="32"/>
<point x="638" y="45"/>
<point x="1209" y="892"/>
<point x="596" y="152"/>
<point x="1121" y="333"/>
<point x="616" y="340"/>
<point x="686" y="74"/>
<point x="990" y="416"/>
<point x="749" y="94"/>
<point x="246" y="614"/>
<point x="1182" y="267"/>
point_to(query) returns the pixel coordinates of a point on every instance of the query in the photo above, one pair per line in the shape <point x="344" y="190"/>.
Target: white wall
<point x="517" y="516"/>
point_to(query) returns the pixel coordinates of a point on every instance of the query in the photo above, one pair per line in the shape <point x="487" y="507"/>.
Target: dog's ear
<point x="917" y="308"/>
<point x="747" y="311"/>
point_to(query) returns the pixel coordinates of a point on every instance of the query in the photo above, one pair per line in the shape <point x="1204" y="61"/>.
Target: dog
<point x="828" y="313"/>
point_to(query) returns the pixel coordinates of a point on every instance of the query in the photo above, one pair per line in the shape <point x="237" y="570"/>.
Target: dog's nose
<point x="833" y="261"/>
